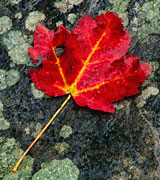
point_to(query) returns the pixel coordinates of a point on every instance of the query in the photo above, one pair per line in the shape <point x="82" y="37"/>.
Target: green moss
<point x="1" y="140"/>
<point x="36" y="92"/>
<point x="1" y="106"/>
<point x="5" y="24"/>
<point x="65" y="131"/>
<point x="8" y="78"/>
<point x="19" y="54"/>
<point x="11" y="65"/>
<point x="18" y="176"/>
<point x="12" y="77"/>
<point x="12" y="39"/>
<point x="33" y="19"/>
<point x="38" y="128"/>
<point x="147" y="20"/>
<point x="9" y="154"/>
<point x="75" y="2"/>
<point x="17" y="47"/>
<point x="59" y="23"/>
<point x="57" y="170"/>
<point x="14" y="1"/>
<point x="2" y="79"/>
<point x="18" y="15"/>
<point x="120" y="7"/>
<point x="63" y="5"/>
<point x="141" y="100"/>
<point x="71" y="18"/>
<point x="61" y="147"/>
<point x="4" y="124"/>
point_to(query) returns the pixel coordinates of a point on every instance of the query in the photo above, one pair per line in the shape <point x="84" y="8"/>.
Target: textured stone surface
<point x="103" y="146"/>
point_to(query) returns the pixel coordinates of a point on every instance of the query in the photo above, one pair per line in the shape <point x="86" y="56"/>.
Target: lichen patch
<point x="17" y="47"/>
<point x="141" y="100"/>
<point x="33" y="19"/>
<point x="5" y="24"/>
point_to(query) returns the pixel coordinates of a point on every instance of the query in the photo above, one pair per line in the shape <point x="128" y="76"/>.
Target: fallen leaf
<point x="93" y="68"/>
<point x="90" y="64"/>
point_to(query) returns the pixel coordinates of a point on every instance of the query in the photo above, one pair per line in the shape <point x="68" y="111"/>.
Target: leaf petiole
<point x="39" y="135"/>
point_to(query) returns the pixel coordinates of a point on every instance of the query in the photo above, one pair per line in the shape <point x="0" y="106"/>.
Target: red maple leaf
<point x="93" y="68"/>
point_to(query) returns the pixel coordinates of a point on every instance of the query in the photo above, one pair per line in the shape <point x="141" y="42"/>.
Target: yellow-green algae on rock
<point x="5" y="24"/>
<point x="36" y="92"/>
<point x="17" y="47"/>
<point x="71" y="18"/>
<point x="141" y="100"/>
<point x="12" y="77"/>
<point x="10" y="152"/>
<point x="33" y="19"/>
<point x="147" y="20"/>
<point x="65" y="131"/>
<point x="61" y="147"/>
<point x="120" y="7"/>
<point x="63" y="5"/>
<point x="8" y="78"/>
<point x="3" y="84"/>
<point x="14" y="1"/>
<point x="18" y="15"/>
<point x="4" y="124"/>
<point x="57" y="170"/>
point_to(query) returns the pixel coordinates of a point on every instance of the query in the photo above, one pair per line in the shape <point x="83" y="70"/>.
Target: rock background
<point x="103" y="146"/>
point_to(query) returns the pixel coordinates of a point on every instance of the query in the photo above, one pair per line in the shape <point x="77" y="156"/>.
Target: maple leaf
<point x="93" y="68"/>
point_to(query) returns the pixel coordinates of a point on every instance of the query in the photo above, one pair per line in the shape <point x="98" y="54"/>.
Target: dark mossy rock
<point x="103" y="146"/>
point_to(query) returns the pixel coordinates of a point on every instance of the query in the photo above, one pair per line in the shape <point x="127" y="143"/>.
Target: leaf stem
<point x="39" y="135"/>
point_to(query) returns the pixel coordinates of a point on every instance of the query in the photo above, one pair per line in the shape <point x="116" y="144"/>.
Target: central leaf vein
<point x="61" y="71"/>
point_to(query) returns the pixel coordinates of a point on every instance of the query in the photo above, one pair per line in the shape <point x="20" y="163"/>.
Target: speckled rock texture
<point x="103" y="146"/>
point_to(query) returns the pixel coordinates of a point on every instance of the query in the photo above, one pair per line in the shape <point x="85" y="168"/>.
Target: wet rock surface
<point x="103" y="146"/>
